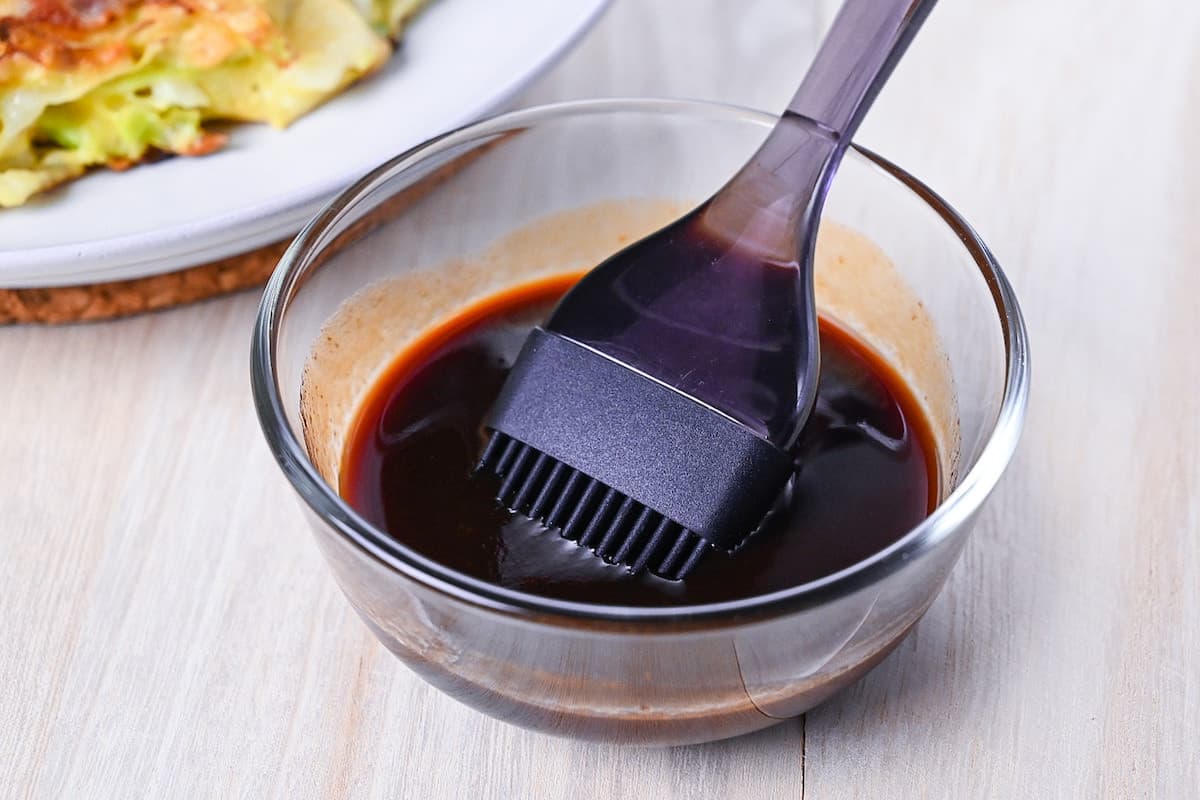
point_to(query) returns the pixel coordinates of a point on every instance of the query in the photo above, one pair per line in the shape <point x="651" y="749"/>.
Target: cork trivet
<point x="100" y="301"/>
<point x="121" y="298"/>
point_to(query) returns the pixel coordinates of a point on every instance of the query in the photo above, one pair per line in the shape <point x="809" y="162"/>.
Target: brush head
<point x="618" y="461"/>
<point x="651" y="418"/>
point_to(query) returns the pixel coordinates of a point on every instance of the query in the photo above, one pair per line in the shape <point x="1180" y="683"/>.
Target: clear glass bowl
<point x="637" y="675"/>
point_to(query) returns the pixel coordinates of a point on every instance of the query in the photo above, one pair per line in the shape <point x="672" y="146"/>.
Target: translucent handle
<point x="858" y="54"/>
<point x="785" y="183"/>
<point x="720" y="305"/>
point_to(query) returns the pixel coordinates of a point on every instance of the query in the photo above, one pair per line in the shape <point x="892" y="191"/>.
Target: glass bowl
<point x="935" y="303"/>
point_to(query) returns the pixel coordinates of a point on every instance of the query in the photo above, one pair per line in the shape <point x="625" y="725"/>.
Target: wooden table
<point x="167" y="628"/>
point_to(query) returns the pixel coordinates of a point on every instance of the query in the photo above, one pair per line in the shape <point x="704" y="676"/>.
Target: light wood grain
<point x="167" y="627"/>
<point x="1064" y="657"/>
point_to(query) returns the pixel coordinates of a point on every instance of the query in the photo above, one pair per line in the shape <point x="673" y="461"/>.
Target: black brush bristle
<point x="612" y="525"/>
<point x="637" y="472"/>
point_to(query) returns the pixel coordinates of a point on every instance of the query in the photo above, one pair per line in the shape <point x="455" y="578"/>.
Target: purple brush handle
<point x="793" y="168"/>
<point x="866" y="40"/>
<point x="720" y="305"/>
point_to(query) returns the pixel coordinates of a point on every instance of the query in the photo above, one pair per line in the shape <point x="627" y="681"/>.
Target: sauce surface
<point x="867" y="475"/>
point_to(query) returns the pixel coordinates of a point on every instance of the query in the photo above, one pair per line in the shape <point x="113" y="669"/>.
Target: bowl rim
<point x="291" y="455"/>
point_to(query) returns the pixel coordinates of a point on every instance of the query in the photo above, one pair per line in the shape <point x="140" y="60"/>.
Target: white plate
<point x="459" y="60"/>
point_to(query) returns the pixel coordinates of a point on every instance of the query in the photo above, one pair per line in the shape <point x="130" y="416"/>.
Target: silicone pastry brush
<point x="651" y="418"/>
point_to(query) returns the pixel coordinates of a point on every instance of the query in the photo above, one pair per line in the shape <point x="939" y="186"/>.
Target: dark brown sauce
<point x="868" y="475"/>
